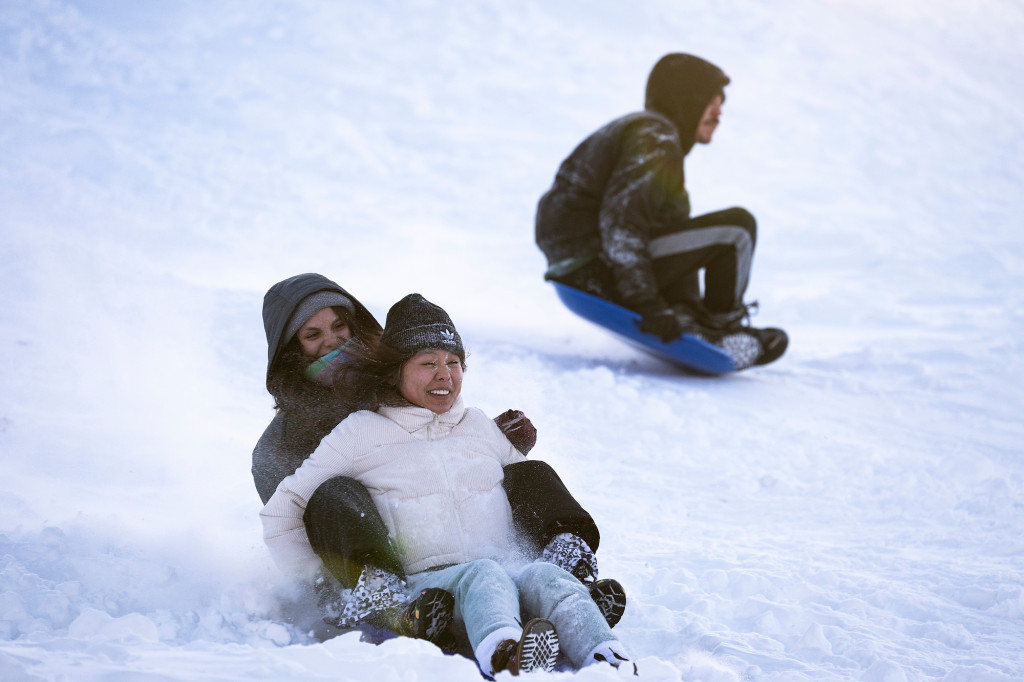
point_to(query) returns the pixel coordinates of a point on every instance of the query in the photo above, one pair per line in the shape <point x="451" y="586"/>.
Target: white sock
<point x="485" y="649"/>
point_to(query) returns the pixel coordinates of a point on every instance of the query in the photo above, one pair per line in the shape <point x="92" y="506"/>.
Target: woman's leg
<point x="486" y="601"/>
<point x="547" y="591"/>
<point x="346" y="531"/>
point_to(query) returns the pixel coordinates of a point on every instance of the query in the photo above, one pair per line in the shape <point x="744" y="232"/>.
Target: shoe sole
<point x="610" y="598"/>
<point x="538" y="647"/>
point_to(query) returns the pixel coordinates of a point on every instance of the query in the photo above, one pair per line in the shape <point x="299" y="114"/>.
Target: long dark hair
<point x="370" y="380"/>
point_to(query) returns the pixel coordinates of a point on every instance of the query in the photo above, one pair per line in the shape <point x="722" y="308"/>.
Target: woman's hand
<point x="518" y="429"/>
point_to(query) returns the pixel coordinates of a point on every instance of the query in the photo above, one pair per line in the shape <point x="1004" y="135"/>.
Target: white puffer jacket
<point x="436" y="480"/>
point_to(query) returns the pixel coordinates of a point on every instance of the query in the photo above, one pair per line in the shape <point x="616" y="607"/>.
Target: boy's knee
<point x="741" y="217"/>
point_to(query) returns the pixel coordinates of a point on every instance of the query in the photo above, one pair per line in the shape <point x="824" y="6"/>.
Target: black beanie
<point x="416" y="324"/>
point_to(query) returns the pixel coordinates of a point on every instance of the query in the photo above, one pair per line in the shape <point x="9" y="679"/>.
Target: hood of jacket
<point x="680" y="87"/>
<point x="283" y="298"/>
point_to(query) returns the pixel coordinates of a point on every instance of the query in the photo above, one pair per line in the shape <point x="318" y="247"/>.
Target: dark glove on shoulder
<point x="518" y="429"/>
<point x="663" y="323"/>
<point x="571" y="553"/>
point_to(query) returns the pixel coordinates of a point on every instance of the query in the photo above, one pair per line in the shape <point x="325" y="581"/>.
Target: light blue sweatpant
<point x="489" y="596"/>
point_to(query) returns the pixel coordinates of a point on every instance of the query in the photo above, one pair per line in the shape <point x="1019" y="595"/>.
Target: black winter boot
<point x="748" y="346"/>
<point x="428" y="616"/>
<point x="773" y="344"/>
<point x="731" y="331"/>
<point x="609" y="596"/>
<point x="381" y="599"/>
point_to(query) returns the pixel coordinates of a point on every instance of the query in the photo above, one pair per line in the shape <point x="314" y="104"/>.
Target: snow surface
<point x="852" y="512"/>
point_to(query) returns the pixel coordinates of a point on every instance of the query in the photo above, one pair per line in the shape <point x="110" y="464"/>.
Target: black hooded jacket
<point x="305" y="417"/>
<point x="624" y="184"/>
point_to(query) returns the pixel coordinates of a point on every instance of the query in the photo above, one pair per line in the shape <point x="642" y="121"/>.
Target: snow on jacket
<point x="624" y="185"/>
<point x="620" y="188"/>
<point x="436" y="481"/>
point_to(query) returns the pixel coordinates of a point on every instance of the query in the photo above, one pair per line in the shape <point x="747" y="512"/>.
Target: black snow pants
<point x="720" y="243"/>
<point x="346" y="530"/>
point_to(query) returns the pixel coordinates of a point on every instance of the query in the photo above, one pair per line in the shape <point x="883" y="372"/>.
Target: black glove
<point x="571" y="553"/>
<point x="662" y="323"/>
<point x="518" y="429"/>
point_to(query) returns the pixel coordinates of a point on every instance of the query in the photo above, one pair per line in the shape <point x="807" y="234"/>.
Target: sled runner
<point x="687" y="351"/>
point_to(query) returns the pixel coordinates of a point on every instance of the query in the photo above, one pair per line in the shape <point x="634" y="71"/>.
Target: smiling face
<point x="323" y="333"/>
<point x="432" y="379"/>
<point x="709" y="120"/>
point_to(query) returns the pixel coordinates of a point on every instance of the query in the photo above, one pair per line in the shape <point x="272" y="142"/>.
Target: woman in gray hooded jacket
<point x="309" y="322"/>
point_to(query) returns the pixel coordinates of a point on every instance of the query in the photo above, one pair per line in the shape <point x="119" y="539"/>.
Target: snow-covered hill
<point x="852" y="512"/>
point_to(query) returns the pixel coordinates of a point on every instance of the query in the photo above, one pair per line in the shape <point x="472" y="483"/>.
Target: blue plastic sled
<point x="686" y="351"/>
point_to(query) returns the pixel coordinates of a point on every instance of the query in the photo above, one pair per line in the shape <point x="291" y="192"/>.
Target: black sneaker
<point x="748" y="346"/>
<point x="427" y="617"/>
<point x="537" y="649"/>
<point x="773" y="344"/>
<point x="731" y="331"/>
<point x="609" y="596"/>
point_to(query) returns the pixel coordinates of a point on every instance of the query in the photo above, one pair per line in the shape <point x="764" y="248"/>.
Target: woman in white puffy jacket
<point x="434" y="470"/>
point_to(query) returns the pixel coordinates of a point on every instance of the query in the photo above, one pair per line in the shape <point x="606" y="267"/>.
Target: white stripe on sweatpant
<point x="686" y="241"/>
